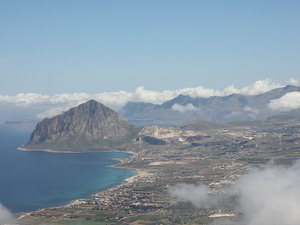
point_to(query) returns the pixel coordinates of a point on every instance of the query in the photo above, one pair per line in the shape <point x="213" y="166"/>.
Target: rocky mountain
<point x="182" y="109"/>
<point x="89" y="126"/>
<point x="94" y="127"/>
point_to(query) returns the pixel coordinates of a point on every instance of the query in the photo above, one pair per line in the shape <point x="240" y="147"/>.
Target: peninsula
<point x="198" y="152"/>
<point x="88" y="127"/>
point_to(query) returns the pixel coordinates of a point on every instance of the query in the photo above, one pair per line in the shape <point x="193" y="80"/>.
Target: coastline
<point x="74" y="202"/>
<point x="56" y="151"/>
<point x="45" y="150"/>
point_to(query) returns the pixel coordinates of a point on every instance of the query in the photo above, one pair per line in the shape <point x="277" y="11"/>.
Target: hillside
<point x="234" y="107"/>
<point x="94" y="127"/>
<point x="87" y="127"/>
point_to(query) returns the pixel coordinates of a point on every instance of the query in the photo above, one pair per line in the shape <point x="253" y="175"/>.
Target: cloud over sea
<point x="49" y="106"/>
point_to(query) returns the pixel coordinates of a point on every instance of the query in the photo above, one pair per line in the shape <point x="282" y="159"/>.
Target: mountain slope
<point x="234" y="107"/>
<point x="86" y="127"/>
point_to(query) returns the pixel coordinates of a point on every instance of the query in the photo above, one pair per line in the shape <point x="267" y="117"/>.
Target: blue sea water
<point x="33" y="180"/>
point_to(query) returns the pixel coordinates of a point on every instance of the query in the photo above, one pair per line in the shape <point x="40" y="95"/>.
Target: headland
<point x="216" y="160"/>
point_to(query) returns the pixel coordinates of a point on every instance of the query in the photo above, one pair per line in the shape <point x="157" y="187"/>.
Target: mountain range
<point x="234" y="107"/>
<point x="92" y="126"/>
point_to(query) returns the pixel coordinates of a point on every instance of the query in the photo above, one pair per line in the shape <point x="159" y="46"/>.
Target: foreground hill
<point x="183" y="108"/>
<point x="89" y="126"/>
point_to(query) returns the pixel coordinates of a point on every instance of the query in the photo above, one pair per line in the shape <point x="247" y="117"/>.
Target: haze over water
<point x="33" y="180"/>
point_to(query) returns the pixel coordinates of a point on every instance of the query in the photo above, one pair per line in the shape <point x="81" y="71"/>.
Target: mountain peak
<point x="88" y="126"/>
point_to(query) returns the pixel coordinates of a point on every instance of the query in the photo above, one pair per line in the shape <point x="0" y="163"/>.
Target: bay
<point x="30" y="180"/>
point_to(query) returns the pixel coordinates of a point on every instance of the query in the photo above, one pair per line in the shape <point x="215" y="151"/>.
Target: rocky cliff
<point x="87" y="127"/>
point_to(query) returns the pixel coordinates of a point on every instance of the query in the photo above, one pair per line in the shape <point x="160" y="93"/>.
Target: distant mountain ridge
<point x="234" y="107"/>
<point x="92" y="126"/>
<point x="88" y="126"/>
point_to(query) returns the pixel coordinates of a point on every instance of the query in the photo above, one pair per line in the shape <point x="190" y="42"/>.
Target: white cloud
<point x="233" y="114"/>
<point x="116" y="100"/>
<point x="286" y="103"/>
<point x="140" y="95"/>
<point x="270" y="196"/>
<point x="66" y="98"/>
<point x="6" y="217"/>
<point x="181" y="108"/>
<point x="293" y="81"/>
<point x="252" y="112"/>
<point x="200" y="92"/>
<point x="259" y="87"/>
<point x="52" y="112"/>
<point x="24" y="100"/>
<point x="198" y="195"/>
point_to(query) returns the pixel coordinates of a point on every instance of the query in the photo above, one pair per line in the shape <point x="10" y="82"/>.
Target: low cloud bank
<point x="198" y="195"/>
<point x="293" y="81"/>
<point x="115" y="100"/>
<point x="259" y="87"/>
<point x="268" y="197"/>
<point x="6" y="217"/>
<point x="286" y="103"/>
<point x="181" y="108"/>
<point x="53" y="112"/>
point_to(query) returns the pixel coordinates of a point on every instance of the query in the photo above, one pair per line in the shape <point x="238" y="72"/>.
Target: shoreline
<point x="128" y="180"/>
<point x="56" y="151"/>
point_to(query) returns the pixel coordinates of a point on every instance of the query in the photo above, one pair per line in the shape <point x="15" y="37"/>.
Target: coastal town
<point x="216" y="157"/>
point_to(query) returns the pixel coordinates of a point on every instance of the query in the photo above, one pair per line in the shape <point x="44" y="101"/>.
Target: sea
<point x="31" y="180"/>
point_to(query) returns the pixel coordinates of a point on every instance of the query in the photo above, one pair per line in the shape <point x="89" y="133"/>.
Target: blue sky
<point x="54" y="47"/>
